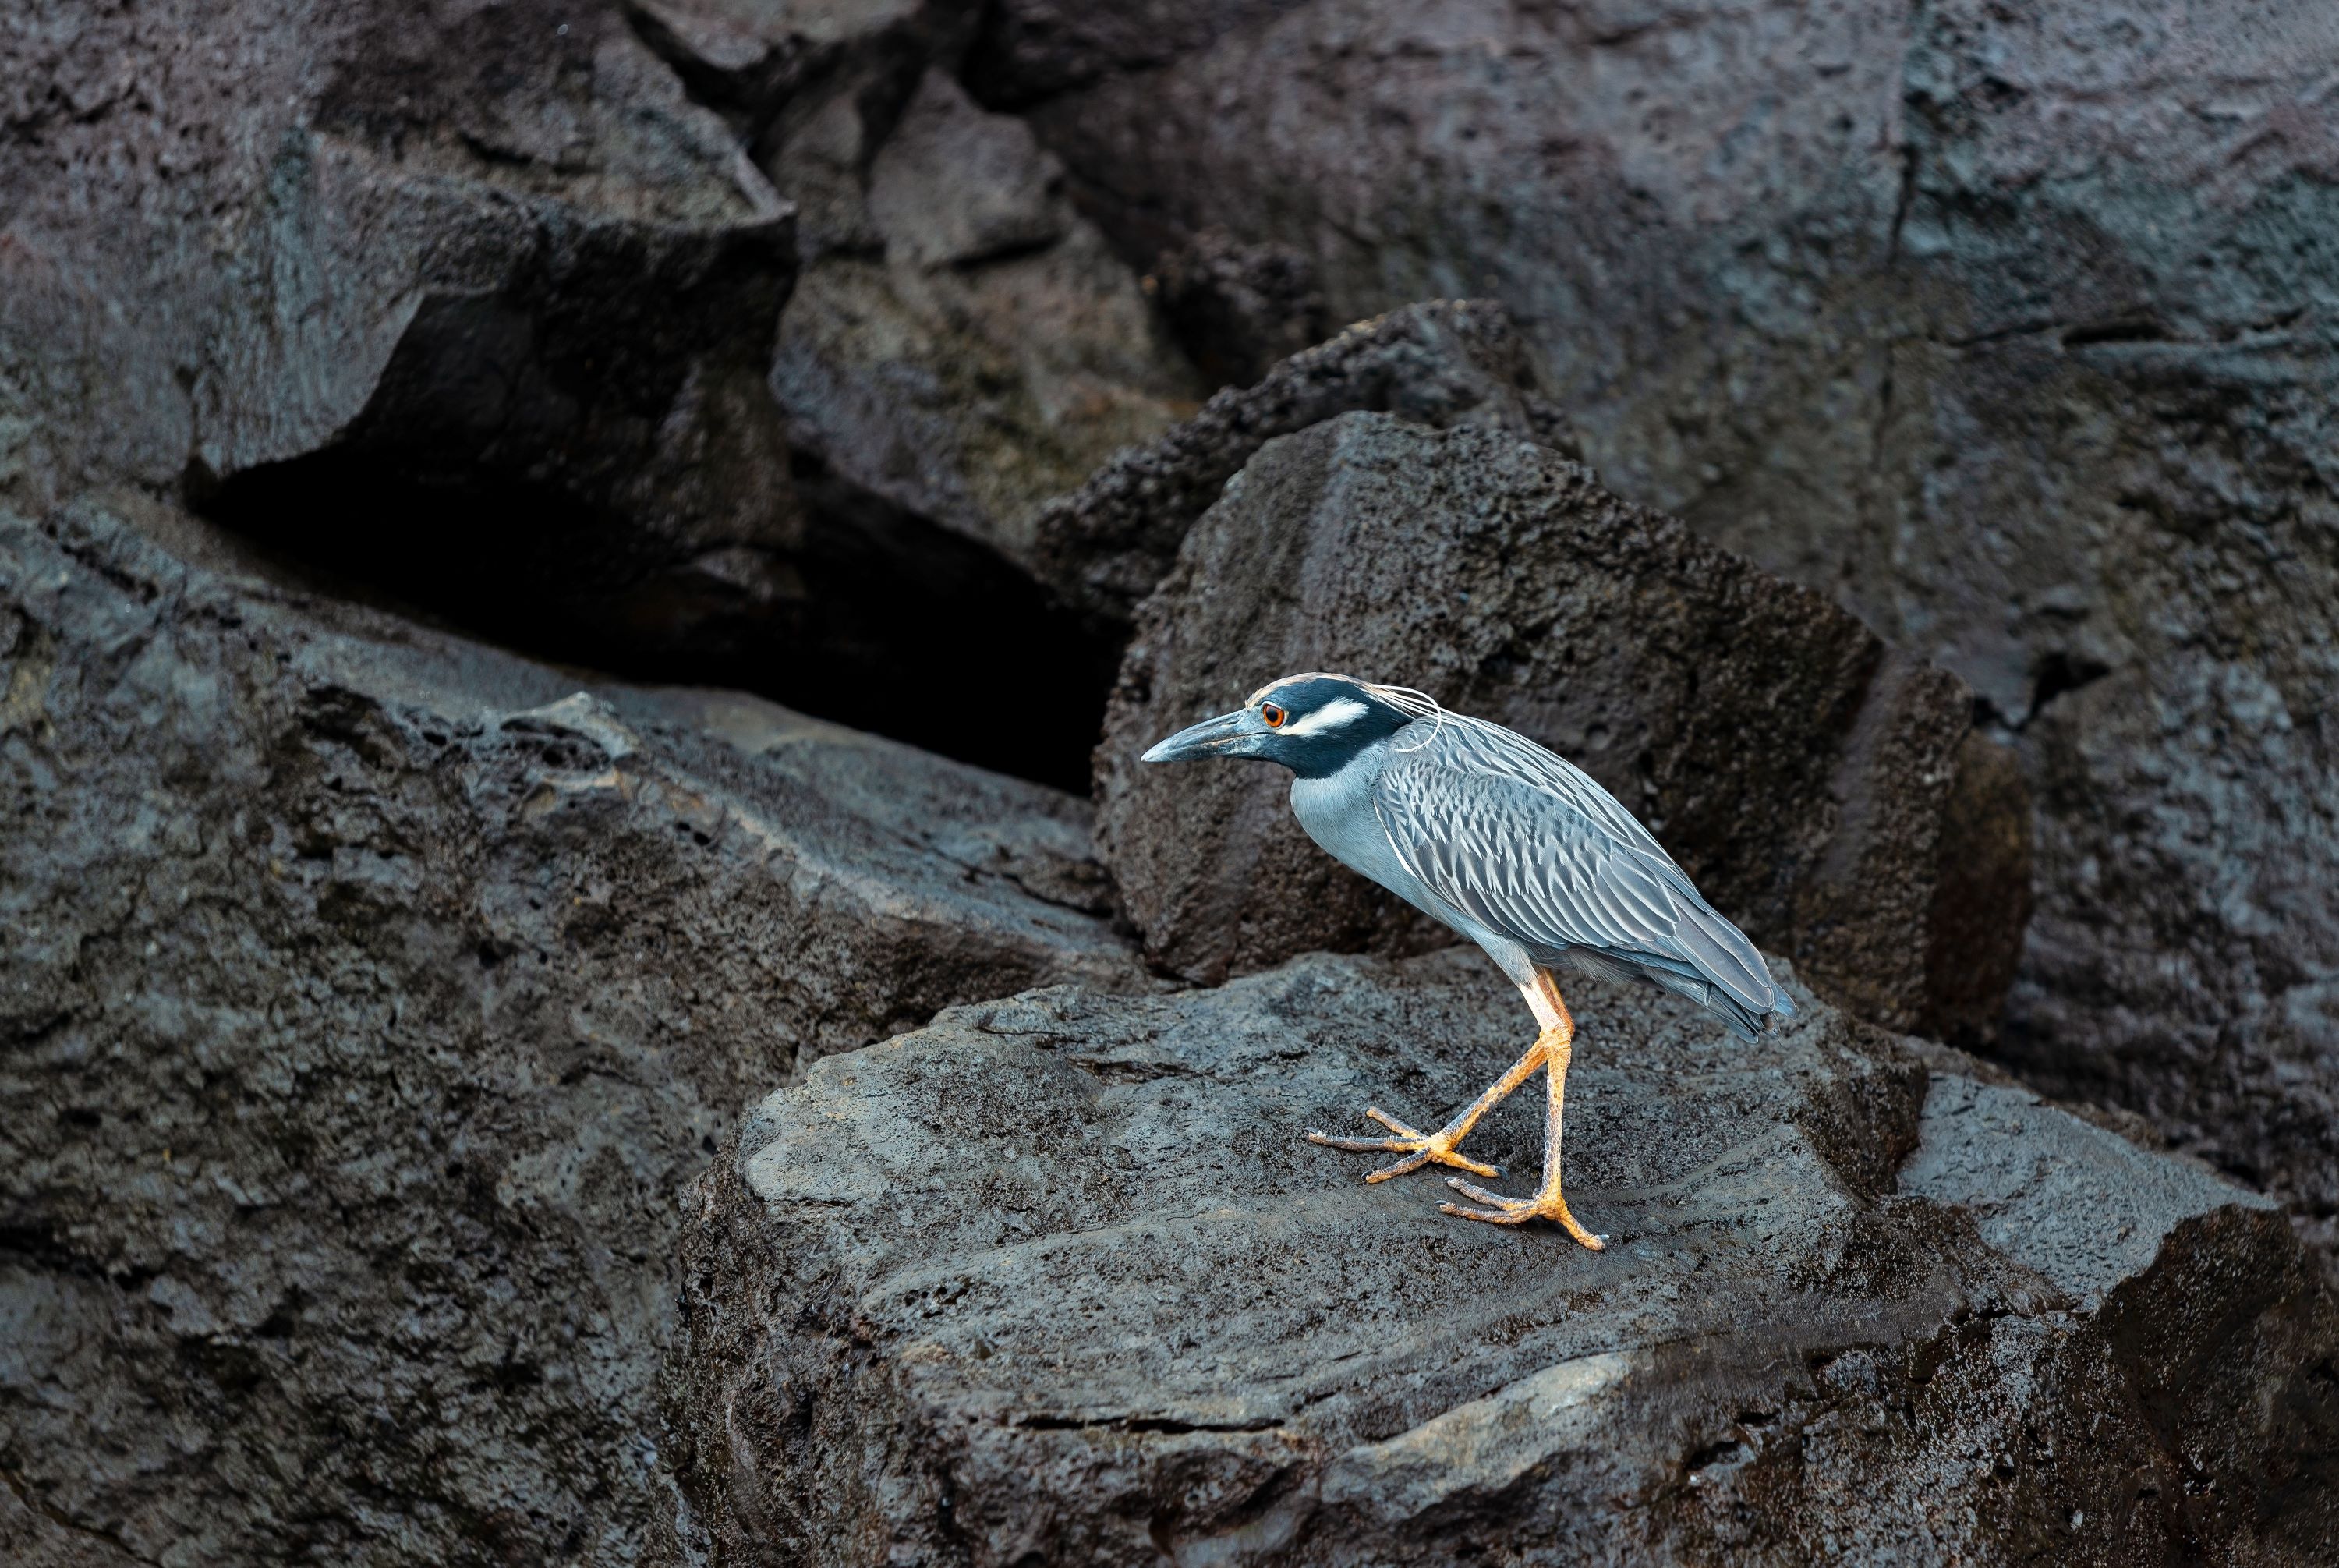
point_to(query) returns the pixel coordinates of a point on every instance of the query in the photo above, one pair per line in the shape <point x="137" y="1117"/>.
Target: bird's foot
<point x="1419" y="1149"/>
<point x="1500" y="1211"/>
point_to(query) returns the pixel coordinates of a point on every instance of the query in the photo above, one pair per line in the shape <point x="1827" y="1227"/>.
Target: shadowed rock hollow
<point x="1056" y="1279"/>
<point x="1825" y="793"/>
<point x="453" y="246"/>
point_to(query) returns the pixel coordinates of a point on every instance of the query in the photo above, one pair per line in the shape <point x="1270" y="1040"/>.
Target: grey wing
<point x="1515" y="844"/>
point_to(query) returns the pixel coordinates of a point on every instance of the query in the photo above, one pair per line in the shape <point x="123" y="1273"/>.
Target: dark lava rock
<point x="764" y="65"/>
<point x="963" y="345"/>
<point x="1804" y="774"/>
<point x="1031" y="50"/>
<point x="367" y="996"/>
<point x="1239" y="309"/>
<point x="2011" y="328"/>
<point x="1441" y="363"/>
<point x="1057" y="1280"/>
<point x="399" y="284"/>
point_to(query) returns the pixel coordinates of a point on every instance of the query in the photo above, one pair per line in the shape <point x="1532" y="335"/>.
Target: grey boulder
<point x="1056" y="1279"/>
<point x="367" y="996"/>
<point x="1437" y="362"/>
<point x="1824" y="791"/>
<point x="962" y="345"/>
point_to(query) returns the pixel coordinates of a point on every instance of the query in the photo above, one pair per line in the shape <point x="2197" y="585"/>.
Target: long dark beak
<point x="1210" y="738"/>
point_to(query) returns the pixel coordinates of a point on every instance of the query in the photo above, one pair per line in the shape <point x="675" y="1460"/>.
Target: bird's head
<point x="1313" y="723"/>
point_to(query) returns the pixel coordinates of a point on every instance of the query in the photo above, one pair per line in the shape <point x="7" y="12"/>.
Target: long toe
<point x="1419" y="1149"/>
<point x="1502" y="1210"/>
<point x="1499" y="1210"/>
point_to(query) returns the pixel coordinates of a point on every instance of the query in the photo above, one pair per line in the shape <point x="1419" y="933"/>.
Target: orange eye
<point x="1273" y="715"/>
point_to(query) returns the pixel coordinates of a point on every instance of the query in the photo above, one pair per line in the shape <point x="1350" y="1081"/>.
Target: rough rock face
<point x="488" y="257"/>
<point x="1441" y="363"/>
<point x="2010" y="328"/>
<point x="962" y="344"/>
<point x="1803" y="774"/>
<point x="1057" y="1280"/>
<point x="760" y="65"/>
<point x="367" y="996"/>
<point x="1239" y="309"/>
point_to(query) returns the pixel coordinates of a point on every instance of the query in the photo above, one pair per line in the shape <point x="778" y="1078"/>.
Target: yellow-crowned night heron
<point x="1514" y="847"/>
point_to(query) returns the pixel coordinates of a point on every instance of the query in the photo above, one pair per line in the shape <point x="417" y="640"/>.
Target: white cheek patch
<point x="1330" y="716"/>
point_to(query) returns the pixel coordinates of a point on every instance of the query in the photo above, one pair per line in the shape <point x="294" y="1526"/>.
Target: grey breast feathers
<point x="1522" y="840"/>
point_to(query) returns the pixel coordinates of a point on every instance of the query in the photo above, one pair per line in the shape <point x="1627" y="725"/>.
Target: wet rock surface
<point x="1441" y="363"/>
<point x="367" y="997"/>
<point x="1802" y="774"/>
<point x="1057" y="1279"/>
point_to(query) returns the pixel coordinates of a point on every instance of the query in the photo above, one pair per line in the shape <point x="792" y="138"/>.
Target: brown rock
<point x="1800" y="770"/>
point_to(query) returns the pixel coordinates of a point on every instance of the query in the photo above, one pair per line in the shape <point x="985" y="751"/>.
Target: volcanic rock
<point x="1806" y="776"/>
<point x="368" y="995"/>
<point x="962" y="345"/>
<point x="2010" y="328"/>
<point x="1239" y="309"/>
<point x="1438" y="363"/>
<point x="392" y="284"/>
<point x="1056" y="1279"/>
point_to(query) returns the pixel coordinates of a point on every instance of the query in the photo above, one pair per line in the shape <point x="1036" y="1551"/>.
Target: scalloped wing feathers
<point x="1523" y="841"/>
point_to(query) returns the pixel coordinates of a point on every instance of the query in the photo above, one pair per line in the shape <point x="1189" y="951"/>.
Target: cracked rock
<point x="1057" y="1279"/>
<point x="366" y="995"/>
<point x="1824" y="791"/>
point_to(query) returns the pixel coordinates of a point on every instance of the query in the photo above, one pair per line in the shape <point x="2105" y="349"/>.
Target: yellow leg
<point x="1548" y="1202"/>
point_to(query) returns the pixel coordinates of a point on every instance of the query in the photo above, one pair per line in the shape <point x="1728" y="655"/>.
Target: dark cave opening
<point x="873" y="618"/>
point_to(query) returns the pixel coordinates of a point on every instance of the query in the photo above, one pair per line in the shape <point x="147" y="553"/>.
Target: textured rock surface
<point x="1804" y="776"/>
<point x="2011" y="328"/>
<point x="1239" y="309"/>
<point x="962" y="345"/>
<point x="488" y="256"/>
<point x="1057" y="1280"/>
<point x="366" y="998"/>
<point x="1442" y="363"/>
